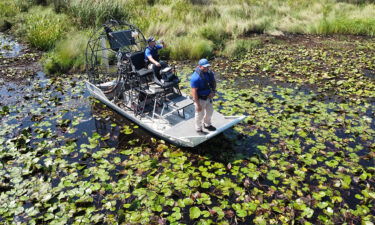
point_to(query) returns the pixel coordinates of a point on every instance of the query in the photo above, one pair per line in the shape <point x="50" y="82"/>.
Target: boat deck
<point x="186" y="128"/>
<point x="168" y="121"/>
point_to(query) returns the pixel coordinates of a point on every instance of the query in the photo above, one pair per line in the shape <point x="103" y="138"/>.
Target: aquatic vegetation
<point x="8" y="47"/>
<point x="339" y="67"/>
<point x="11" y="54"/>
<point x="305" y="153"/>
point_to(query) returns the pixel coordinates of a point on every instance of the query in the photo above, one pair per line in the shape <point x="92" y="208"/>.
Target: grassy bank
<point x="193" y="28"/>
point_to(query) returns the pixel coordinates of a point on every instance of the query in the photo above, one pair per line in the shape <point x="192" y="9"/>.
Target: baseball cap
<point x="204" y="63"/>
<point x="150" y="39"/>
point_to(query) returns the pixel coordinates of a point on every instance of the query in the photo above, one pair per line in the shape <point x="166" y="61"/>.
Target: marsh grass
<point x="240" y="47"/>
<point x="43" y="27"/>
<point x="218" y="20"/>
<point x="151" y="17"/>
<point x="69" y="54"/>
<point x="8" y="11"/>
<point x="90" y="13"/>
<point x="200" y="48"/>
<point x="347" y="19"/>
<point x="59" y="6"/>
<point x="347" y="26"/>
<point x="215" y="33"/>
<point x="199" y="28"/>
<point x="23" y="5"/>
<point x="191" y="48"/>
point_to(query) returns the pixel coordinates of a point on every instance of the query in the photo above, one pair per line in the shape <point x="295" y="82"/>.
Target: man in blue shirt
<point x="152" y="56"/>
<point x="203" y="88"/>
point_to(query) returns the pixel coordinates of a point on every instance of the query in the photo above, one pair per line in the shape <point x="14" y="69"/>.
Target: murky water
<point x="53" y="119"/>
<point x="9" y="47"/>
<point x="13" y="94"/>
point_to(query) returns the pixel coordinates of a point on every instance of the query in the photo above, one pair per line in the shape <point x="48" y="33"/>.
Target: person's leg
<point x="209" y="109"/>
<point x="199" y="115"/>
<point x="156" y="70"/>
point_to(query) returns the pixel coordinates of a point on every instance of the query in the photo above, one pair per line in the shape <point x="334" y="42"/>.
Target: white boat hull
<point x="172" y="128"/>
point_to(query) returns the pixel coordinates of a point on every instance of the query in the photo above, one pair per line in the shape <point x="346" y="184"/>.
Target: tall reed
<point x="7" y="9"/>
<point x="91" y="13"/>
<point x="194" y="28"/>
<point x="43" y="27"/>
<point x="191" y="48"/>
<point x="235" y="48"/>
<point x="347" y="19"/>
<point x="68" y="55"/>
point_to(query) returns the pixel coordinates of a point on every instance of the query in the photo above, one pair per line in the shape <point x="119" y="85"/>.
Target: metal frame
<point x="111" y="63"/>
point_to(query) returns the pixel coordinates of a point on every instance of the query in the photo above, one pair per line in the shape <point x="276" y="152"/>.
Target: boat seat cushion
<point x="144" y="72"/>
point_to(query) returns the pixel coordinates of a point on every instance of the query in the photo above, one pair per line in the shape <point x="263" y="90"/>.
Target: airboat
<point x="119" y="77"/>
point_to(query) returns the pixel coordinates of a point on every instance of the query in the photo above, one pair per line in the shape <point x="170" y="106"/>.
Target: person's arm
<point x="150" y="58"/>
<point x="194" y="94"/>
<point x="163" y="45"/>
<point x="153" y="61"/>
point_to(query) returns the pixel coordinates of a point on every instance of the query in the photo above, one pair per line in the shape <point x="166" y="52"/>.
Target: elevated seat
<point x="144" y="72"/>
<point x="149" y="95"/>
<point x="138" y="64"/>
<point x="143" y="76"/>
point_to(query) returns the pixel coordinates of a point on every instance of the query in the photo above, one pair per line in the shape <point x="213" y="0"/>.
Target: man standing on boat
<point x="203" y="89"/>
<point x="152" y="55"/>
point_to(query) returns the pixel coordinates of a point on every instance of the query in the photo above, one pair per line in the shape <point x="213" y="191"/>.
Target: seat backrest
<point x="119" y="39"/>
<point x="137" y="60"/>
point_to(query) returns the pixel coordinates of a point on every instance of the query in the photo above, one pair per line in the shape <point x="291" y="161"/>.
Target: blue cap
<point x="150" y="39"/>
<point x="204" y="63"/>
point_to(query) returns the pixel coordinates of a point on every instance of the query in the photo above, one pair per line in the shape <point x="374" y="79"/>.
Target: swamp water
<point x="66" y="158"/>
<point x="8" y="47"/>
